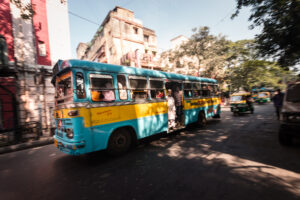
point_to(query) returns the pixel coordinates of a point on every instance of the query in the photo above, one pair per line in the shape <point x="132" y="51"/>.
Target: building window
<point x="136" y="30"/>
<point x="146" y="38"/>
<point x="127" y="28"/>
<point x="42" y="48"/>
<point x="110" y="51"/>
<point x="3" y="51"/>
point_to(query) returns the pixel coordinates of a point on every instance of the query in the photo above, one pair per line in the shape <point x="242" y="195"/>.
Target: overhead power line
<point x="222" y="20"/>
<point x="83" y="18"/>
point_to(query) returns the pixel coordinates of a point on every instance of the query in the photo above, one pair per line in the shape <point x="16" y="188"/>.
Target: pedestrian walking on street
<point x="278" y="100"/>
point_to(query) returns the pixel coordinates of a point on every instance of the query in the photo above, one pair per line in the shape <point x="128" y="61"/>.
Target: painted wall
<point x="6" y="27"/>
<point x="59" y="30"/>
<point x="25" y="50"/>
<point x="40" y="23"/>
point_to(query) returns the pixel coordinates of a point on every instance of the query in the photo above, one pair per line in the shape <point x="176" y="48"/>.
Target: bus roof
<point x="60" y="66"/>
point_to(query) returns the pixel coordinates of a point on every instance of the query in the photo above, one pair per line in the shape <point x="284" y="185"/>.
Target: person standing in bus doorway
<point x="171" y="110"/>
<point x="278" y="100"/>
<point x="178" y="104"/>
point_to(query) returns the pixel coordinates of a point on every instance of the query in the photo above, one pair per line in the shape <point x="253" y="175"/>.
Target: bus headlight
<point x="73" y="113"/>
<point x="70" y="133"/>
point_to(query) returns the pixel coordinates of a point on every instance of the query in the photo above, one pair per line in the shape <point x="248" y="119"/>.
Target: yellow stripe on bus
<point x="104" y="115"/>
<point x="197" y="103"/>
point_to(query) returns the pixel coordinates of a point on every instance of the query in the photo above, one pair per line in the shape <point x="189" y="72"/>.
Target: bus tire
<point x="202" y="119"/>
<point x="119" y="142"/>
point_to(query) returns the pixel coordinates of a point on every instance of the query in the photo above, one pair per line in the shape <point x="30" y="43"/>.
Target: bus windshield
<point x="237" y="98"/>
<point x="64" y="88"/>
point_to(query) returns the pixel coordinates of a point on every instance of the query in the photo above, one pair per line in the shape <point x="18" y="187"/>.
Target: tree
<point x="280" y="37"/>
<point x="208" y="51"/>
<point x="258" y="73"/>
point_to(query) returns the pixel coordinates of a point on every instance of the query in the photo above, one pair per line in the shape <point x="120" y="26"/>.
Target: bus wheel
<point x="119" y="142"/>
<point x="202" y="119"/>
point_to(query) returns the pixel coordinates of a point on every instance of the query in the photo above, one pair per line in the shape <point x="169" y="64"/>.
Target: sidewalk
<point x="26" y="145"/>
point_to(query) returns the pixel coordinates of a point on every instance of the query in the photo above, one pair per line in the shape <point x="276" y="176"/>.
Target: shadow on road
<point x="235" y="158"/>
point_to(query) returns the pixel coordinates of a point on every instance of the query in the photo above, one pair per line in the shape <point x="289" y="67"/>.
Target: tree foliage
<point x="280" y="37"/>
<point x="206" y="53"/>
<point x="258" y="73"/>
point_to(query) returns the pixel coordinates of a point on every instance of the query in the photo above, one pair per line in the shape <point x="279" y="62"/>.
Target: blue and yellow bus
<point x="102" y="106"/>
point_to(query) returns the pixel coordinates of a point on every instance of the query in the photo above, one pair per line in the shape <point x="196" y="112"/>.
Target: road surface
<point x="237" y="157"/>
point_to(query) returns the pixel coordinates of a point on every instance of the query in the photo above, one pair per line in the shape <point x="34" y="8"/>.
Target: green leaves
<point x="280" y="37"/>
<point x="258" y="73"/>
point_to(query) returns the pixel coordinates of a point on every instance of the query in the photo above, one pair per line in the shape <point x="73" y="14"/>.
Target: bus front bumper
<point x="74" y="148"/>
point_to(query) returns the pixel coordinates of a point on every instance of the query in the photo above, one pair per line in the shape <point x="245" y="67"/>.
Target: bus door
<point x="176" y="92"/>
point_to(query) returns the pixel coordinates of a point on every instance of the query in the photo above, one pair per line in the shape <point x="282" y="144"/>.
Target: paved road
<point x="232" y="158"/>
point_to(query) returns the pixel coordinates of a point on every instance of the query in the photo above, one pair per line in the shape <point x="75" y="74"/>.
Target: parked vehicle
<point x="241" y="102"/>
<point x="290" y="115"/>
<point x="263" y="97"/>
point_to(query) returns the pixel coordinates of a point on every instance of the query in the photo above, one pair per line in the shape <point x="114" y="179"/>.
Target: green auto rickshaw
<point x="241" y="102"/>
<point x="263" y="97"/>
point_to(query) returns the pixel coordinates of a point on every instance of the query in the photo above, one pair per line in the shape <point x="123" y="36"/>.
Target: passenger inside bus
<point x="108" y="95"/>
<point x="159" y="94"/>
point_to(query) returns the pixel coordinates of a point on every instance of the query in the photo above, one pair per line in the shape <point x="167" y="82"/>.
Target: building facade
<point x="29" y="47"/>
<point x="122" y="40"/>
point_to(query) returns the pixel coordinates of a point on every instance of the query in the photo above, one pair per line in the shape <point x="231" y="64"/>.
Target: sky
<point x="168" y="18"/>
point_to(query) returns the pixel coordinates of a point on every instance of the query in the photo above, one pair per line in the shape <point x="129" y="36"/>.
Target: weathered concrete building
<point x="28" y="50"/>
<point x="123" y="40"/>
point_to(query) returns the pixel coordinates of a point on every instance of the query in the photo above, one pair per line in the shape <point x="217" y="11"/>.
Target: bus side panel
<point x="210" y="106"/>
<point x="144" y="127"/>
<point x="150" y="125"/>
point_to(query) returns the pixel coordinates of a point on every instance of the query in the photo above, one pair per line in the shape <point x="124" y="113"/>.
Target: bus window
<point x="138" y="86"/>
<point x="196" y="89"/>
<point x="205" y="91"/>
<point x="187" y="90"/>
<point x="210" y="89"/>
<point x="216" y="90"/>
<point x="157" y="89"/>
<point x="122" y="87"/>
<point x="102" y="87"/>
<point x="64" y="88"/>
<point x="80" y="91"/>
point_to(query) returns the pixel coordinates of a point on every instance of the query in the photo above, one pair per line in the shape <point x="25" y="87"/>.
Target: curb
<point x="27" y="145"/>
